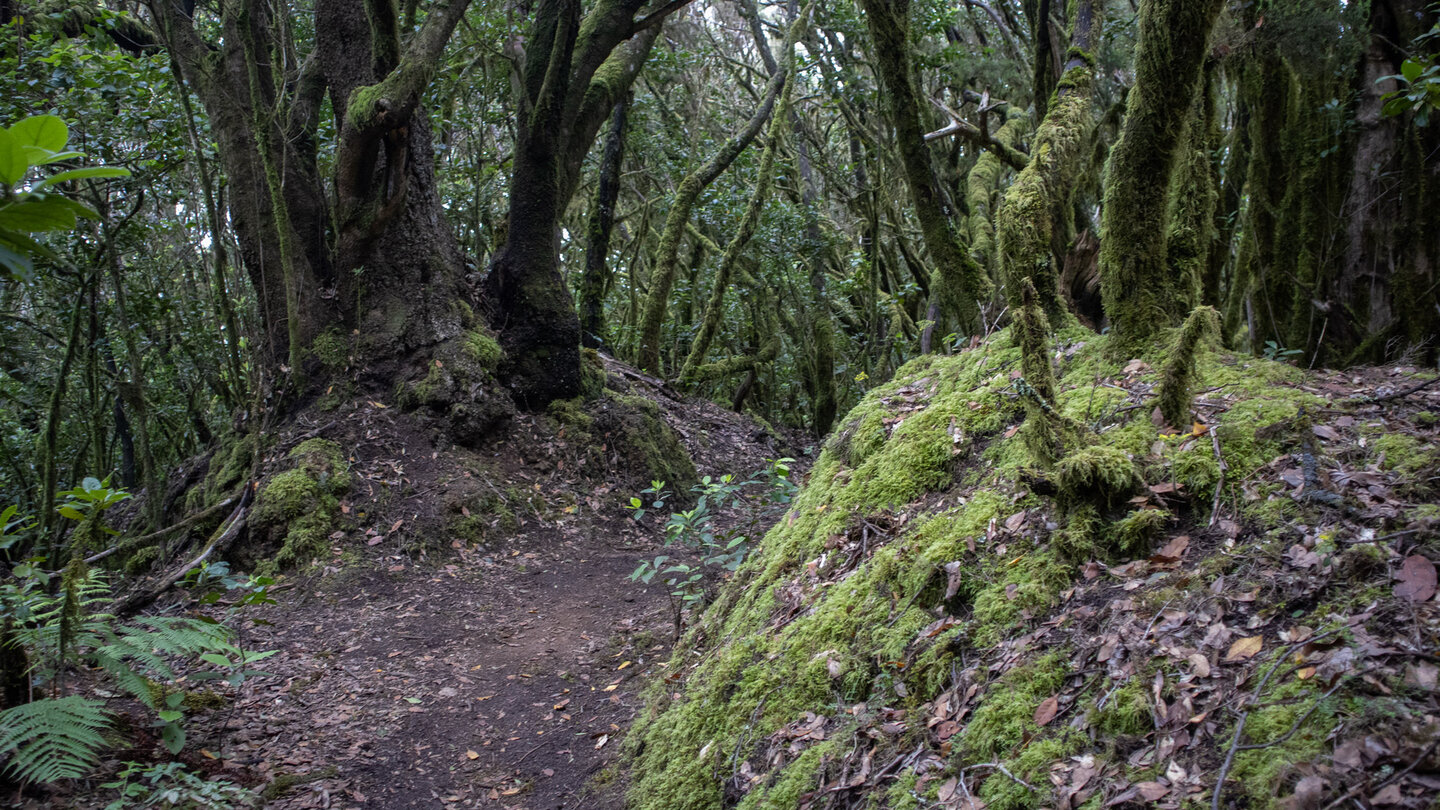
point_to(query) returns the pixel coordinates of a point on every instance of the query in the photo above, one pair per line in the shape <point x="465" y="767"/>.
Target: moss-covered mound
<point x="625" y="439"/>
<point x="460" y="387"/>
<point x="939" y="617"/>
<point x="296" y="510"/>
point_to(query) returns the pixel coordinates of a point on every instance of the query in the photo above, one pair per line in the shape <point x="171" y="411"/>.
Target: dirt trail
<point x="500" y="677"/>
<point x="495" y="681"/>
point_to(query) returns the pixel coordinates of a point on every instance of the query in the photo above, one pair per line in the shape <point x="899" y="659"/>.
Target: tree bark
<point x="676" y="219"/>
<point x="961" y="284"/>
<point x="602" y="220"/>
<point x="1027" y="220"/>
<point x="1140" y="292"/>
<point x="573" y="73"/>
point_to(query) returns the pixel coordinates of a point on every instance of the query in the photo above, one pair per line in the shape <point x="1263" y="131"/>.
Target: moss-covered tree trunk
<point x="1028" y="218"/>
<point x="662" y="278"/>
<point x="595" y="280"/>
<point x="574" y="71"/>
<point x="960" y="284"/>
<point x="1388" y="286"/>
<point x="1140" y="290"/>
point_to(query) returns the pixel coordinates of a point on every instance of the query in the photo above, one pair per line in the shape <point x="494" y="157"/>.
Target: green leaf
<point x="88" y="172"/>
<point x="1411" y="70"/>
<point x="174" y="738"/>
<point x="12" y="160"/>
<point x="90" y="484"/>
<point x="70" y="512"/>
<point x="18" y="266"/>
<point x="215" y="658"/>
<point x="37" y="214"/>
<point x="46" y="132"/>
<point x="170" y="715"/>
<point x="39" y="157"/>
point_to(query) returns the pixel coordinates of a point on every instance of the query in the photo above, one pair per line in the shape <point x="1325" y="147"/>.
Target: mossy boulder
<point x="297" y="509"/>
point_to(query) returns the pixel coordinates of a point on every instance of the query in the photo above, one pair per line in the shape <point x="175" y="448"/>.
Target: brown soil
<point x="417" y="669"/>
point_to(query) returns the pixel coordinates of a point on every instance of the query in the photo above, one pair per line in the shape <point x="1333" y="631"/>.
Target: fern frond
<point x="53" y="738"/>
<point x="133" y="652"/>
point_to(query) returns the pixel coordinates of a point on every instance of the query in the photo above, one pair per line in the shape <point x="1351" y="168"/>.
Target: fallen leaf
<point x="472" y="755"/>
<point x="1152" y="791"/>
<point x="1046" y="711"/>
<point x="1245" y="648"/>
<point x="1173" y="550"/>
<point x="1390" y="794"/>
<point x="1416" y="579"/>
<point x="604" y="738"/>
<point x="1200" y="665"/>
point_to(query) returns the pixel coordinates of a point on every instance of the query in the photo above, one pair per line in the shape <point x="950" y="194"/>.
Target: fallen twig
<point x="1220" y="484"/>
<point x="221" y="539"/>
<point x="1404" y="392"/>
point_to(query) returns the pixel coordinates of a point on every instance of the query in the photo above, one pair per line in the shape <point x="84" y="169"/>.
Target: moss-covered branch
<point x="1026" y="223"/>
<point x="962" y="283"/>
<point x="663" y="277"/>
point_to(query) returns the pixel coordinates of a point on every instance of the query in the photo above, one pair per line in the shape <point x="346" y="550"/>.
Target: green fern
<point x="53" y="738"/>
<point x="134" y="654"/>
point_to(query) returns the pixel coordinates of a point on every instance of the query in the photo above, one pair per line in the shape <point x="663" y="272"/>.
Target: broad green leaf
<point x="1411" y="70"/>
<point x="12" y="160"/>
<point x="40" y="157"/>
<point x="174" y="738"/>
<point x="215" y="658"/>
<point x="46" y="132"/>
<point x="17" y="266"/>
<point x="36" y="215"/>
<point x="89" y="172"/>
<point x="70" y="512"/>
<point x="90" y="484"/>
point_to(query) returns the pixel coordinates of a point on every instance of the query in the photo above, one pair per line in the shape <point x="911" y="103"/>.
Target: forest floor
<point x="416" y="669"/>
<point x="430" y="672"/>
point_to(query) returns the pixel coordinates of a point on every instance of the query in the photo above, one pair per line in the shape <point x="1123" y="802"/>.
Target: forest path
<point x="491" y="681"/>
<point x="500" y="676"/>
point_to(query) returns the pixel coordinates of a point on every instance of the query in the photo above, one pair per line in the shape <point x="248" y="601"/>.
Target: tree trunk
<point x="602" y="219"/>
<point x="663" y="278"/>
<point x="1388" y="277"/>
<point x="1027" y="220"/>
<point x="574" y="73"/>
<point x="961" y="284"/>
<point x="1140" y="292"/>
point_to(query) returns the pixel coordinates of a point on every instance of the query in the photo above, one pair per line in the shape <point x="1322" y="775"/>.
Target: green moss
<point x="1101" y="475"/>
<point x="284" y="782"/>
<point x="483" y="349"/>
<point x="332" y="349"/>
<point x="1003" y="730"/>
<point x="300" y="505"/>
<point x="795" y="779"/>
<point x="142" y="559"/>
<point x="1006" y="714"/>
<point x="1266" y="774"/>
<point x="651" y="449"/>
<point x="1173" y="394"/>
<point x="1406" y="454"/>
<point x="808" y="624"/>
<point x="1138" y="531"/>
<point x="1127" y="711"/>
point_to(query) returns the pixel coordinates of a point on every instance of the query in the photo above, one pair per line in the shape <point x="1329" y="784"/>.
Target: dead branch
<point x="219" y="541"/>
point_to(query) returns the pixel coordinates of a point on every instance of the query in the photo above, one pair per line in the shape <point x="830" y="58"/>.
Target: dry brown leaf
<point x="1152" y="791"/>
<point x="1245" y="648"/>
<point x="1416" y="579"/>
<point x="1047" y="710"/>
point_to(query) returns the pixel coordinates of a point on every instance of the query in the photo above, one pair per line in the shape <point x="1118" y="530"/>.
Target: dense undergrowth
<point x="939" y="616"/>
